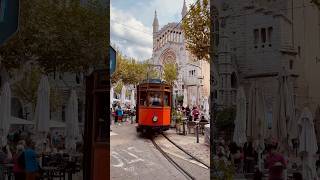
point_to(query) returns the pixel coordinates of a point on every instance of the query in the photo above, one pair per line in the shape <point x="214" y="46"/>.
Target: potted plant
<point x="224" y="170"/>
<point x="179" y="122"/>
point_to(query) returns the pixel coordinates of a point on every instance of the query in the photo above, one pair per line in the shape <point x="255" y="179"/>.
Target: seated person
<point x="203" y="119"/>
<point x="155" y="100"/>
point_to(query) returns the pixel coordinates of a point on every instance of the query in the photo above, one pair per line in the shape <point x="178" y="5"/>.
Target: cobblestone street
<point x="135" y="157"/>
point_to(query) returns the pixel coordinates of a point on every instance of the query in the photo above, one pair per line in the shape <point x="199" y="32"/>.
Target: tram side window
<point x="143" y="98"/>
<point x="166" y="98"/>
<point x="155" y="99"/>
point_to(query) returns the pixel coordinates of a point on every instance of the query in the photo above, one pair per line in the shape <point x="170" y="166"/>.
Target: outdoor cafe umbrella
<point x="185" y="98"/>
<point x="111" y="96"/>
<point x="257" y="124"/>
<point x="42" y="112"/>
<point x="72" y="122"/>
<point x="123" y="95"/>
<point x="133" y="102"/>
<point x="317" y="123"/>
<point x="284" y="125"/>
<point x="5" y="113"/>
<point x="207" y="108"/>
<point x="193" y="100"/>
<point x="239" y="135"/>
<point x="307" y="144"/>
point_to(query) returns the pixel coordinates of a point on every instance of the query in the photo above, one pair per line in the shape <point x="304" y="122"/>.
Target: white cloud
<point x="130" y="35"/>
<point x="131" y="25"/>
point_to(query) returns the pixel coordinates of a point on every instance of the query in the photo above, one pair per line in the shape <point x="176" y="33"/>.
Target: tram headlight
<point x="155" y="119"/>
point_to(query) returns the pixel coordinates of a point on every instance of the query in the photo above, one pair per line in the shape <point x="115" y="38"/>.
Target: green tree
<point x="59" y="36"/>
<point x="26" y="89"/>
<point x="118" y="87"/>
<point x="131" y="71"/>
<point x="170" y="73"/>
<point x="196" y="26"/>
<point x="316" y="2"/>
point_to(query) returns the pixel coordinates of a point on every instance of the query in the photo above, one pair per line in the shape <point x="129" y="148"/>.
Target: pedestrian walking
<point x="195" y="113"/>
<point x="19" y="163"/>
<point x="5" y="157"/>
<point x="250" y="157"/>
<point x="119" y="113"/>
<point x="187" y="111"/>
<point x="116" y="115"/>
<point x="275" y="163"/>
<point x="31" y="161"/>
<point x="111" y="117"/>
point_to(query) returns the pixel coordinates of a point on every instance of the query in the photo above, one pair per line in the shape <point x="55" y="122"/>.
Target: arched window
<point x="234" y="83"/>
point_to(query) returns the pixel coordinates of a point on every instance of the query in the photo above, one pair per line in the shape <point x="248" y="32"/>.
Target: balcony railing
<point x="193" y="80"/>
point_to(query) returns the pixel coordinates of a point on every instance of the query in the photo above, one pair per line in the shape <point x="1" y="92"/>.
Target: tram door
<point x="97" y="138"/>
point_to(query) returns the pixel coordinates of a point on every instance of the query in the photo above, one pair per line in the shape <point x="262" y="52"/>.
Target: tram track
<point x="167" y="155"/>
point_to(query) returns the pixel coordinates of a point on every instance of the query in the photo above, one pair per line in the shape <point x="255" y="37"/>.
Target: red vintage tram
<point x="153" y="106"/>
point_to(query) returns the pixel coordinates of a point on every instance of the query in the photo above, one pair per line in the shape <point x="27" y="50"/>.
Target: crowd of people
<point x="24" y="154"/>
<point x="193" y="114"/>
<point x="24" y="159"/>
<point x="244" y="159"/>
<point x="118" y="113"/>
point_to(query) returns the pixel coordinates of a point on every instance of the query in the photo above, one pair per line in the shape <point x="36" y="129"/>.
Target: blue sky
<point x="131" y="23"/>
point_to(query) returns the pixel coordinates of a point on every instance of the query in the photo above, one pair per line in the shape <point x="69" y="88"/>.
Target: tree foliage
<point x="316" y="2"/>
<point x="170" y="73"/>
<point x="118" y="87"/>
<point x="196" y="26"/>
<point x="26" y="89"/>
<point x="131" y="71"/>
<point x="59" y="36"/>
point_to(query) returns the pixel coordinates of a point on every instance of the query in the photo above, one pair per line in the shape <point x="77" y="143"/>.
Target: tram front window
<point x="143" y="98"/>
<point x="155" y="99"/>
<point x="166" y="99"/>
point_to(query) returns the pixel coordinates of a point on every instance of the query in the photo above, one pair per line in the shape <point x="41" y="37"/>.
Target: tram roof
<point x="154" y="81"/>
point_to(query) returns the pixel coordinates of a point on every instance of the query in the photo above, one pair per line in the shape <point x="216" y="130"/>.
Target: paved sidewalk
<point x="189" y="143"/>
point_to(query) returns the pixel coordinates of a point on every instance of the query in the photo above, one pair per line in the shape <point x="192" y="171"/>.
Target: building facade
<point x="255" y="40"/>
<point x="169" y="46"/>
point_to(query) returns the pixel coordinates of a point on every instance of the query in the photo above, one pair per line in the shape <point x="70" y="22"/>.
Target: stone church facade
<point x="257" y="39"/>
<point x="169" y="47"/>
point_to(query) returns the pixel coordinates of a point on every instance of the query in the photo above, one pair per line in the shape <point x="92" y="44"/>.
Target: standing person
<point x="275" y="163"/>
<point x="31" y="162"/>
<point x="187" y="112"/>
<point x="18" y="166"/>
<point x="249" y="157"/>
<point x="119" y="113"/>
<point x="116" y="115"/>
<point x="195" y="113"/>
<point x="111" y="117"/>
<point x="5" y="156"/>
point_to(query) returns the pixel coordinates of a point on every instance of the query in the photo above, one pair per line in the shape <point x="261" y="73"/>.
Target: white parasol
<point x="257" y="124"/>
<point x="5" y="113"/>
<point x="308" y="144"/>
<point x="72" y="122"/>
<point x="111" y="96"/>
<point x="123" y="95"/>
<point x="239" y="135"/>
<point x="284" y="124"/>
<point x="185" y="98"/>
<point x="133" y="101"/>
<point x="42" y="112"/>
